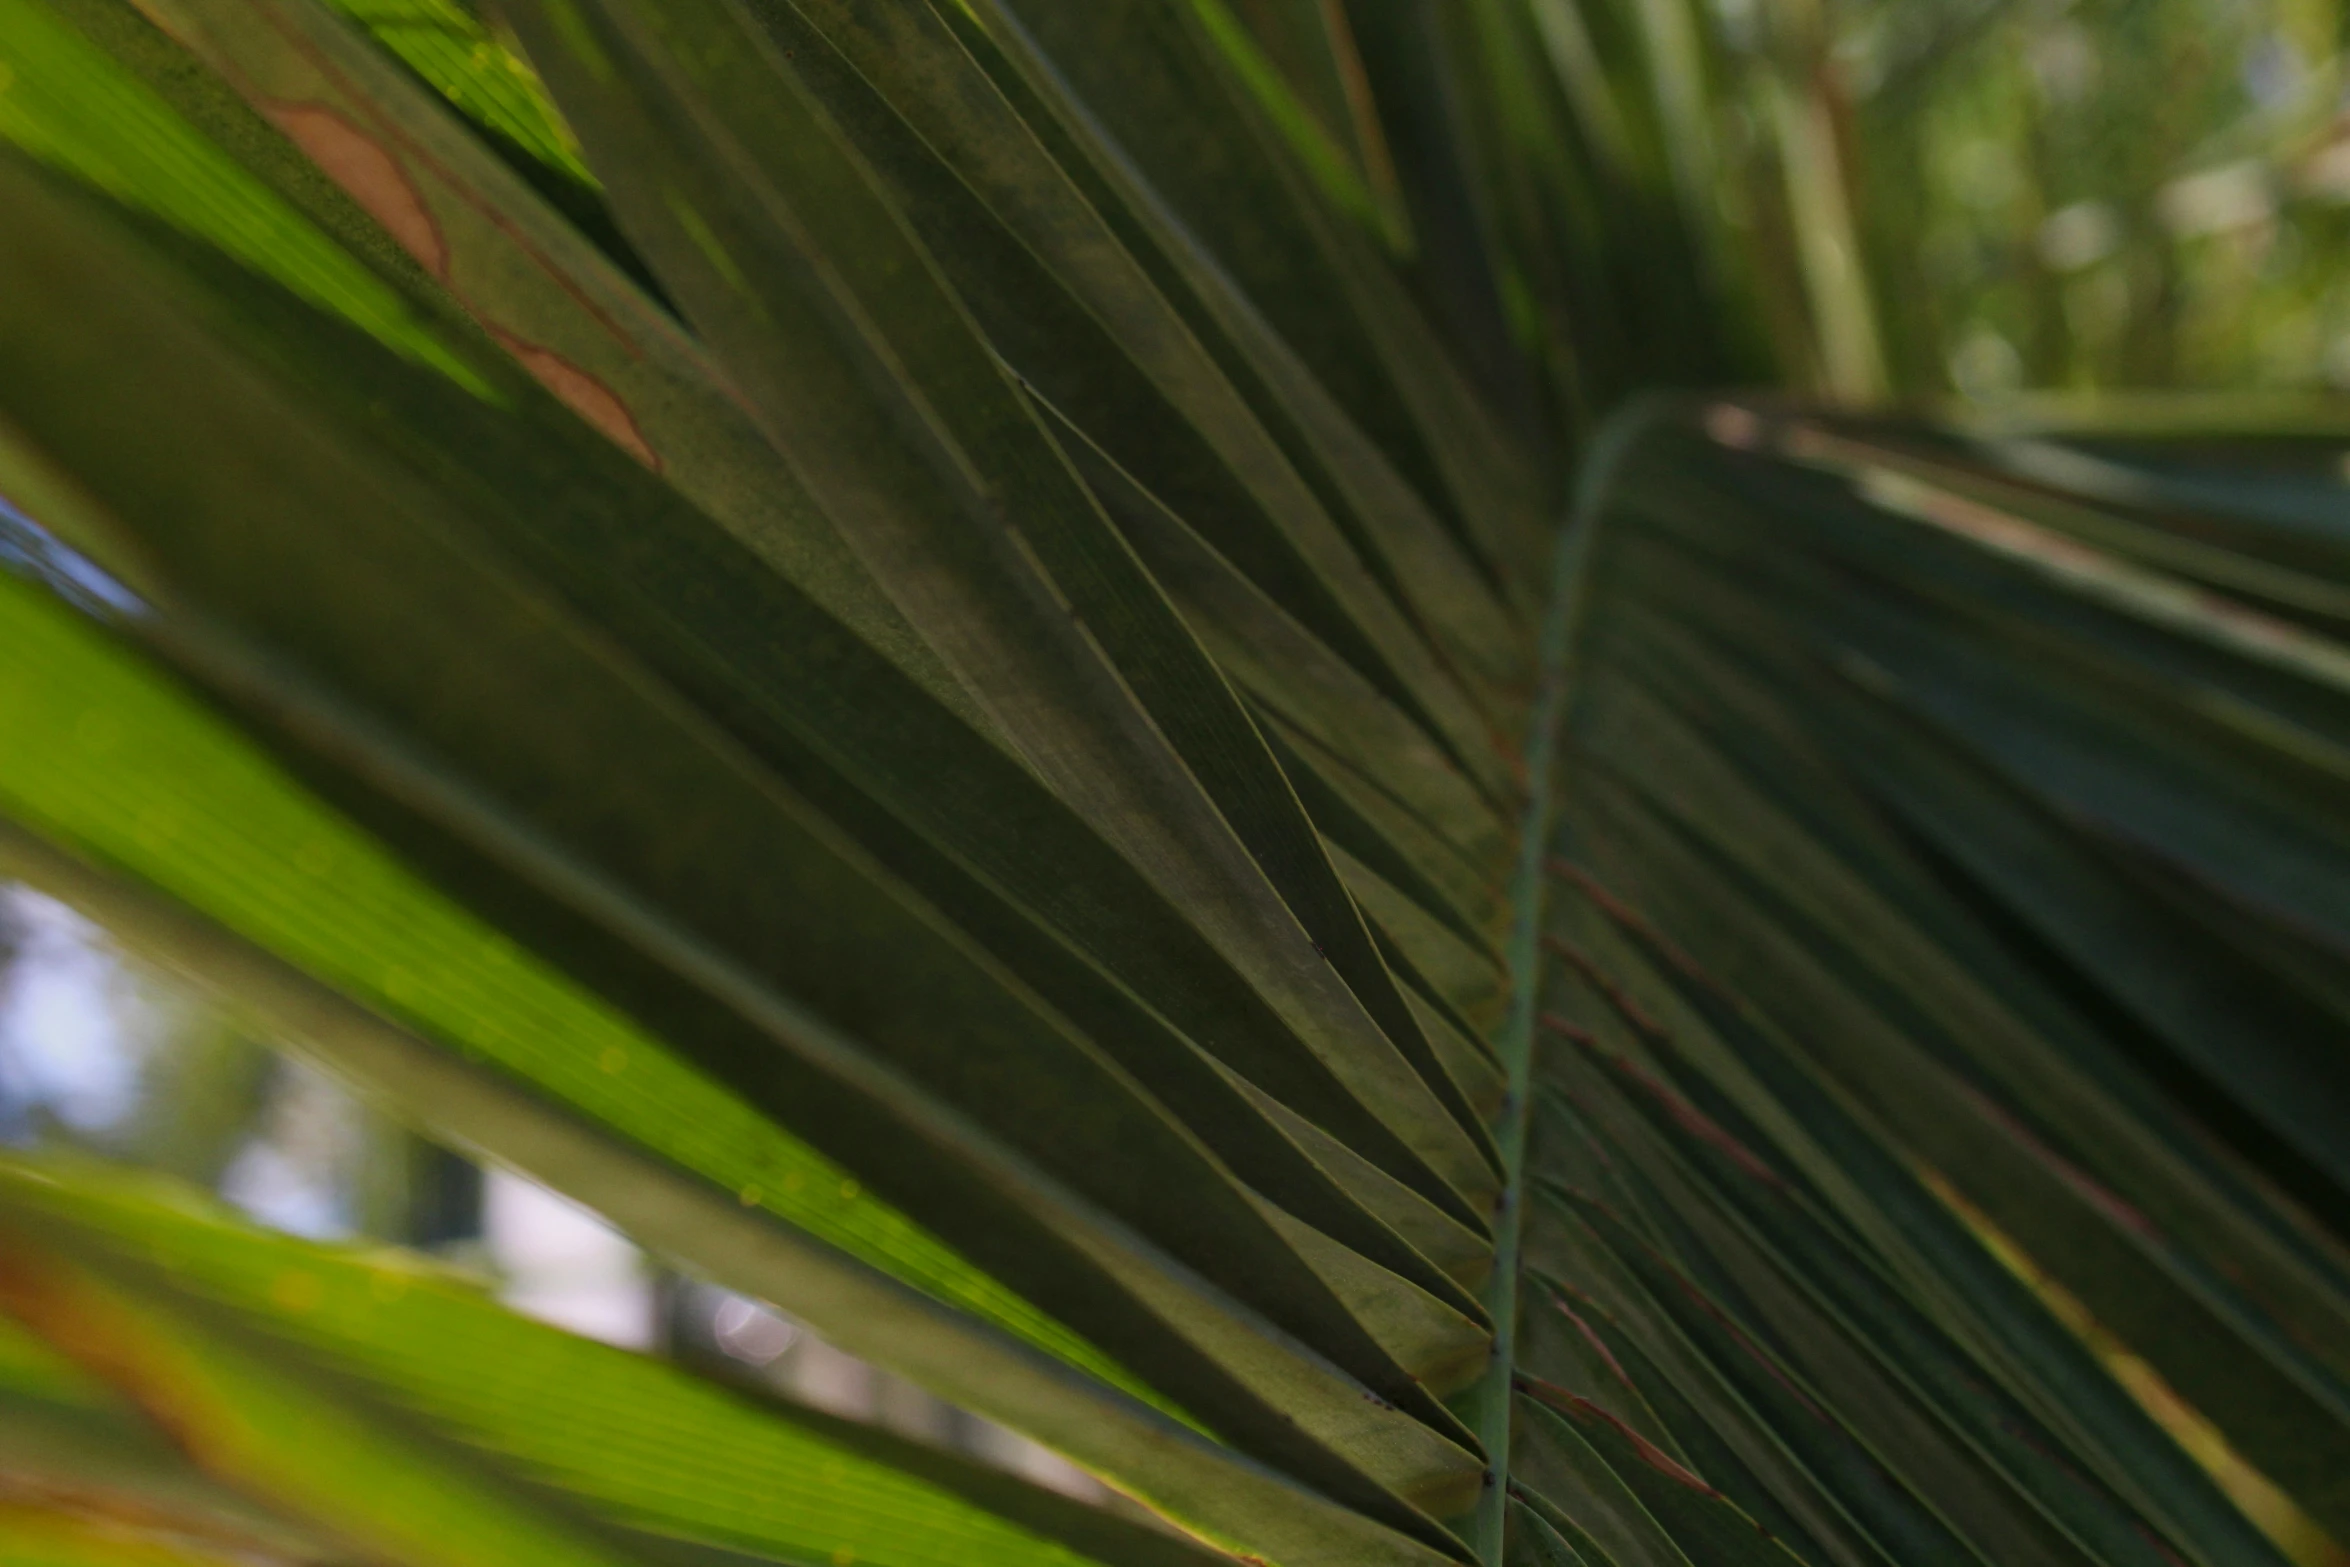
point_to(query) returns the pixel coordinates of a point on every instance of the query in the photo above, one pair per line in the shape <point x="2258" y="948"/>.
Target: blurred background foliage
<point x="1889" y="201"/>
<point x="1909" y="199"/>
<point x="2102" y="195"/>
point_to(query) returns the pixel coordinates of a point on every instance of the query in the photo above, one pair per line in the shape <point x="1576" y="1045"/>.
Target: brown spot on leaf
<point x="89" y="1328"/>
<point x="584" y="395"/>
<point x="1617" y="997"/>
<point x="1582" y="1410"/>
<point x="2104" y="1199"/>
<point x="369" y="174"/>
<point x="1593" y="1339"/>
<point x="1632" y="920"/>
<point x="1566" y="1030"/>
<point x="1697" y="1123"/>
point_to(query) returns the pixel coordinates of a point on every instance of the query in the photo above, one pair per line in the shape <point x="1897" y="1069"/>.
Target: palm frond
<point x="985" y="669"/>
